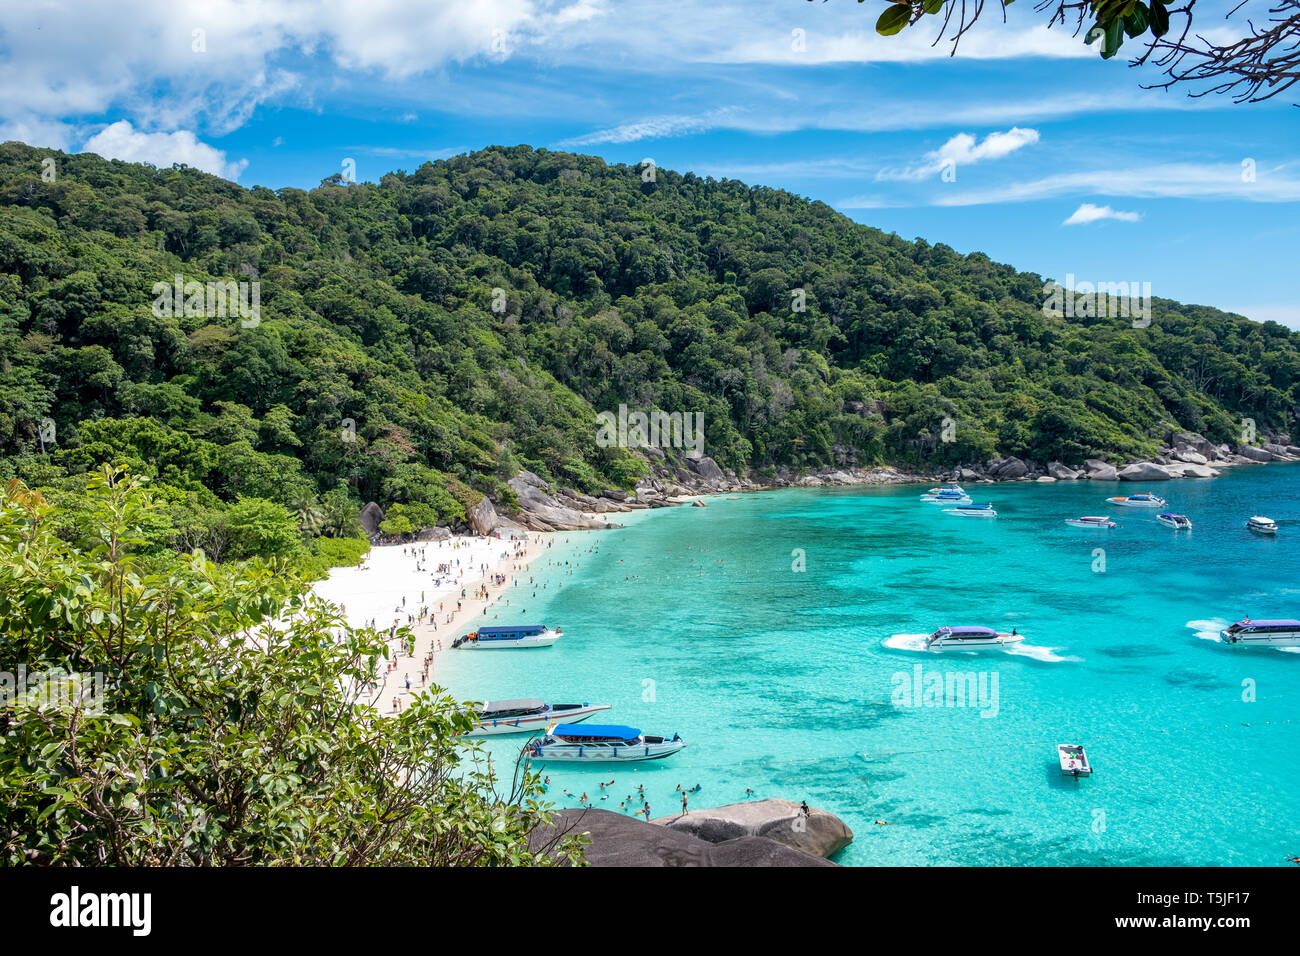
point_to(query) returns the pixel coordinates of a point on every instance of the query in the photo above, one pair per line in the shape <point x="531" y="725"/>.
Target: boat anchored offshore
<point x="601" y="743"/>
<point x="526" y="715"/>
<point x="962" y="499"/>
<point x="1138" y="501"/>
<point x="1177" y="522"/>
<point x="968" y="637"/>
<point x="1261" y="525"/>
<point x="504" y="638"/>
<point x="972" y="511"/>
<point x="1091" y="521"/>
<point x="1074" y="762"/>
<point x="1283" y="632"/>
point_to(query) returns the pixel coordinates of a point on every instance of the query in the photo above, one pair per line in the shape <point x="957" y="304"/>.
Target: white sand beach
<point x="419" y="586"/>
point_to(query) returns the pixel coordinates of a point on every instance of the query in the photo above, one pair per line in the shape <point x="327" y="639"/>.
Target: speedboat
<point x="526" y="715"/>
<point x="1138" y="501"/>
<point x="1177" y="522"/>
<point x="945" y="490"/>
<point x="1262" y="525"/>
<point x="1074" y="762"/>
<point x="964" y="638"/>
<point x="946" y="499"/>
<point x="601" y="743"/>
<point x="505" y="638"/>
<point x="1091" y="521"/>
<point x="1275" y="633"/>
<point x="972" y="511"/>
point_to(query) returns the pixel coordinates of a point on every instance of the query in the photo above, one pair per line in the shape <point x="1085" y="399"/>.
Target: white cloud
<point x="965" y="150"/>
<point x="1157" y="181"/>
<point x="122" y="141"/>
<point x="1089" y="212"/>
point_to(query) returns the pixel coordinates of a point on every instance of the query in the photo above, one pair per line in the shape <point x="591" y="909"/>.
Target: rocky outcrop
<point x="1254" y="454"/>
<point x="541" y="511"/>
<point x="705" y="467"/>
<point x="482" y="517"/>
<point x="1061" y="472"/>
<point x="1144" y="471"/>
<point x="370" y="517"/>
<point x="820" y="833"/>
<point x="433" y="534"/>
<point x="1180" y="470"/>
<point x="1007" y="469"/>
<point x="617" y="840"/>
<point x="1099" y="470"/>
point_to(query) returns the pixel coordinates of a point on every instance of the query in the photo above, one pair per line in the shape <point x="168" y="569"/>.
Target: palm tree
<point x="311" y="518"/>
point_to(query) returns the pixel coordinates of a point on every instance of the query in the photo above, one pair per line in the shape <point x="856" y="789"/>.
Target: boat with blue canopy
<point x="601" y="743"/>
<point x="509" y="637"/>
<point x="1280" y="632"/>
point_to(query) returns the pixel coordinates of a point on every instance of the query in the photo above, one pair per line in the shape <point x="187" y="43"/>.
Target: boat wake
<point x="1208" y="630"/>
<point x="1047" y="655"/>
<point x="906" y="642"/>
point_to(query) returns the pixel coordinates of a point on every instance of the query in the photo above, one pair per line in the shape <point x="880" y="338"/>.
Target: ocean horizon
<point x="759" y="629"/>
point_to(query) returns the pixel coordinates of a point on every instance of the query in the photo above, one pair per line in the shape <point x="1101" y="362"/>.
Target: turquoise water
<point x="692" y="621"/>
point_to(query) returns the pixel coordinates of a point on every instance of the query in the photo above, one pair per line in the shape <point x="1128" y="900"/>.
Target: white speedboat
<point x="1261" y="525"/>
<point x="1282" y="632"/>
<point x="945" y="490"/>
<point x="1074" y="762"/>
<point x="601" y="743"/>
<point x="1177" y="522"/>
<point x="507" y="638"/>
<point x="968" y="637"/>
<point x="1138" y="501"/>
<point x="526" y="715"/>
<point x="962" y="499"/>
<point x="1091" y="521"/>
<point x="972" y="511"/>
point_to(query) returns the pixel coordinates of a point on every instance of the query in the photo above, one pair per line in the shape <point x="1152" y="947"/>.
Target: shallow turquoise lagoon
<point x="695" y="621"/>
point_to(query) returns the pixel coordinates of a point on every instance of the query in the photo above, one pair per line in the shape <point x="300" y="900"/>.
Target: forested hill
<point x="377" y="308"/>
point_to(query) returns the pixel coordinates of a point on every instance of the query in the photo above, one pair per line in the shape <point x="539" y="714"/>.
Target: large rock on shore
<point x="1099" y="470"/>
<point x="1061" y="472"/>
<point x="1254" y="454"/>
<point x="820" y="833"/>
<point x="370" y="517"/>
<point x="482" y="516"/>
<point x="438" y="533"/>
<point x="1144" y="471"/>
<point x="705" y="467"/>
<point x="617" y="840"/>
<point x="540" y="511"/>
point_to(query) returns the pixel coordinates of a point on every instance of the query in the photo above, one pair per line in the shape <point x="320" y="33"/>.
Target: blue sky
<point x="1057" y="162"/>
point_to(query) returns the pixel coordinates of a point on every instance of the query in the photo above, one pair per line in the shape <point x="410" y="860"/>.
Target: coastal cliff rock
<point x="370" y="517"/>
<point x="1099" y="470"/>
<point x="820" y="833"/>
<point x="1061" y="472"/>
<point x="541" y="511"/>
<point x="705" y="467"/>
<point x="617" y="840"/>
<point x="482" y="516"/>
<point x="1254" y="454"/>
<point x="1144" y="471"/>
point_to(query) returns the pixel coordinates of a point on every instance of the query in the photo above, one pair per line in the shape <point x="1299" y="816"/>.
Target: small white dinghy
<point x="1074" y="762"/>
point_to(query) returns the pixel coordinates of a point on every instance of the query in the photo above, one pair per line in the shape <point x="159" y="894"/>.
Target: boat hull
<point x="1284" y="639"/>
<point x="601" y="753"/>
<point x="534" y="723"/>
<point x="537" y="640"/>
<point x="975" y="644"/>
<point x="1104" y="524"/>
<point x="1128" y="503"/>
